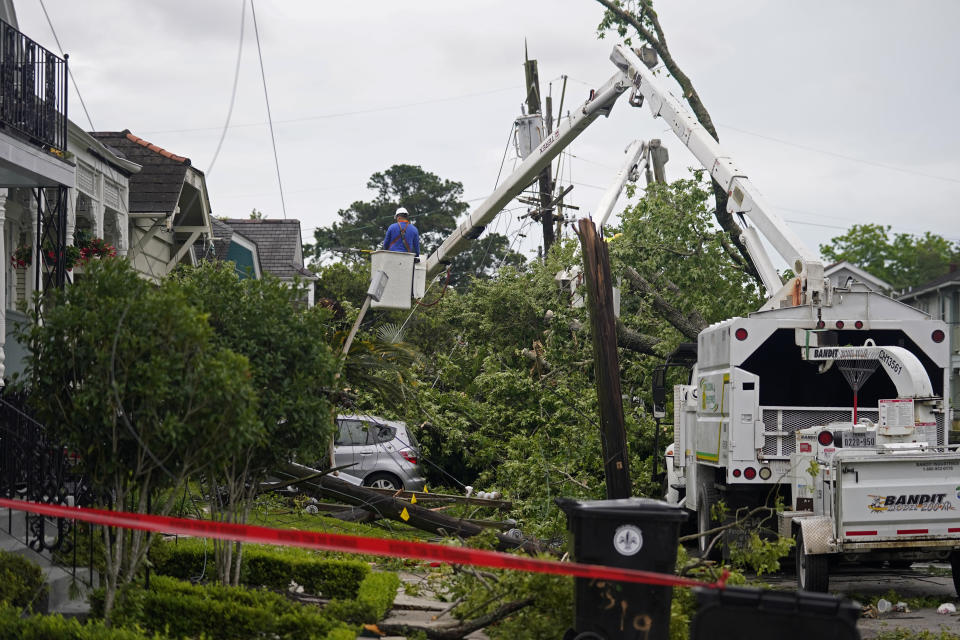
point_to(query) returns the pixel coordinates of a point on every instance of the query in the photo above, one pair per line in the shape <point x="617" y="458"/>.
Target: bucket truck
<point x="760" y="386"/>
<point x="755" y="395"/>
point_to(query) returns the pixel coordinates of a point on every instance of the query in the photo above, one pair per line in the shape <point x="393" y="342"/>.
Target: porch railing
<point x="33" y="90"/>
<point x="34" y="468"/>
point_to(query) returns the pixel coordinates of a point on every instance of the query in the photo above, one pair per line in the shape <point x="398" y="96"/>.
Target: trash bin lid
<point x="622" y="507"/>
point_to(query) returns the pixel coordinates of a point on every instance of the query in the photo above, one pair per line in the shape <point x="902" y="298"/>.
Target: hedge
<point x="56" y="627"/>
<point x="373" y="601"/>
<point x="21" y="581"/>
<point x="182" y="610"/>
<point x="269" y="567"/>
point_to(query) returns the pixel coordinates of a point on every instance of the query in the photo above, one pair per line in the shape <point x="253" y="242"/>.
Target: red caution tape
<point x="350" y="544"/>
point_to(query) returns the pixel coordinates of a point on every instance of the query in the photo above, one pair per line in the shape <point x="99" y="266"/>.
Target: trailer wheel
<point x="813" y="572"/>
<point x="707" y="496"/>
<point x="955" y="567"/>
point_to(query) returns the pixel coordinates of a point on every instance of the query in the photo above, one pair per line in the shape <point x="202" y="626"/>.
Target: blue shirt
<point x="394" y="241"/>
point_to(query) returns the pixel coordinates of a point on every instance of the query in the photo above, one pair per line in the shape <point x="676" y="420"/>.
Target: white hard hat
<point x="401" y="212"/>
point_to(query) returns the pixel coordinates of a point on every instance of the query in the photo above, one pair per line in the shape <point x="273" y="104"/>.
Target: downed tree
<point x="456" y="631"/>
<point x="311" y="481"/>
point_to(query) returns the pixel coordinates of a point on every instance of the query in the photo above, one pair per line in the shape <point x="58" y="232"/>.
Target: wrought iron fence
<point x="33" y="89"/>
<point x="33" y="467"/>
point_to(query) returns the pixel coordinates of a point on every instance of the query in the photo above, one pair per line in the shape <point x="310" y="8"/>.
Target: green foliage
<point x="21" y="582"/>
<point x="669" y="236"/>
<point x="901" y="259"/>
<point x="342" y="281"/>
<point x="550" y="613"/>
<point x="56" y="627"/>
<point x="435" y="205"/>
<point x="759" y="554"/>
<point x="291" y="363"/>
<point x="181" y="610"/>
<point x="126" y="373"/>
<point x="374" y="599"/>
<point x="130" y="377"/>
<point x="265" y="567"/>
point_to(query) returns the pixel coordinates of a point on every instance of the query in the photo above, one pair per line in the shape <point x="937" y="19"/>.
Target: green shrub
<point x="21" y="581"/>
<point x="55" y="627"/>
<point x="262" y="566"/>
<point x="341" y="634"/>
<point x="374" y="599"/>
<point x="181" y="610"/>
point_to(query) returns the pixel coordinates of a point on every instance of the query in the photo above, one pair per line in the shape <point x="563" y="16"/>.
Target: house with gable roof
<point x="169" y="208"/>
<point x="841" y="274"/>
<point x="278" y="249"/>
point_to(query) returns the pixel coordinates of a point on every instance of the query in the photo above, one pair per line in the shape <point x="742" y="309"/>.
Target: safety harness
<point x="401" y="238"/>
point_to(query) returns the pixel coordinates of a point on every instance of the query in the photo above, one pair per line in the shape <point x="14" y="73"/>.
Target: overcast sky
<point x="839" y="111"/>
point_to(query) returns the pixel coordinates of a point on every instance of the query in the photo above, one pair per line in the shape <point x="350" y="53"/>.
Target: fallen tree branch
<point x="689" y="325"/>
<point x="456" y="632"/>
<point x="636" y="341"/>
<point x="392" y="508"/>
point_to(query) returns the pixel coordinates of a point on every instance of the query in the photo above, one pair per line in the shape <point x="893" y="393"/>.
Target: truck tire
<point x="707" y="496"/>
<point x="955" y="567"/>
<point x="813" y="572"/>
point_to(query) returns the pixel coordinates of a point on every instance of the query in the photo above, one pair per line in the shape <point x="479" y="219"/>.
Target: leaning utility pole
<point x="596" y="272"/>
<point x="532" y="78"/>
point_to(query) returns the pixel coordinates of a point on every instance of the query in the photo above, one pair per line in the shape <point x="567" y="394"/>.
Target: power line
<point x="872" y="163"/>
<point x="69" y="70"/>
<point x="341" y="114"/>
<point x="266" y="97"/>
<point x="233" y="92"/>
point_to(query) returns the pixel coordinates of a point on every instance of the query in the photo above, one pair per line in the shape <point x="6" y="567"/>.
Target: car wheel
<point x="813" y="573"/>
<point x="382" y="480"/>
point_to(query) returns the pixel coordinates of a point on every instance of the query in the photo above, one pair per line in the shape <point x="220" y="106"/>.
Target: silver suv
<point x="384" y="453"/>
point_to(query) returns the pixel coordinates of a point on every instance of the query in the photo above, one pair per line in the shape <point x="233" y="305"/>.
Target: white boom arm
<point x="636" y="160"/>
<point x="904" y="368"/>
<point x="567" y="130"/>
<point x="744" y="201"/>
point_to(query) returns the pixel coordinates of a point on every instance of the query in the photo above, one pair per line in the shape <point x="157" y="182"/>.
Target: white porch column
<point x="98" y="207"/>
<point x="3" y="284"/>
<point x="72" y="195"/>
<point x="123" y="232"/>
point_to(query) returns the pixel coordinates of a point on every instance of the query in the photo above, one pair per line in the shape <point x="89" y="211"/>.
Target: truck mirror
<point x="660" y="392"/>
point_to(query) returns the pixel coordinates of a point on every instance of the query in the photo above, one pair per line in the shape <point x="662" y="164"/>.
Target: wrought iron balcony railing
<point x="33" y="90"/>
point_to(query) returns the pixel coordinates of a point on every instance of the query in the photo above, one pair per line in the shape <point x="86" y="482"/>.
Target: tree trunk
<point x="387" y="507"/>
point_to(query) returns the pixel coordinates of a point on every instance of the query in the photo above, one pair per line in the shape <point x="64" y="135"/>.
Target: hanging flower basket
<point x="22" y="257"/>
<point x="96" y="248"/>
<point x="71" y="256"/>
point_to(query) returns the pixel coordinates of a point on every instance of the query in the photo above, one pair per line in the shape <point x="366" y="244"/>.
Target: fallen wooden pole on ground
<point x="387" y="506"/>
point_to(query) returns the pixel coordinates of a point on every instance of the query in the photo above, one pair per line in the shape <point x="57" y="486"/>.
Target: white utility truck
<point x="757" y="382"/>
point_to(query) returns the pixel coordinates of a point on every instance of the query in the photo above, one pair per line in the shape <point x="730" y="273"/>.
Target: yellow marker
<point x="404" y="515"/>
<point x="413" y="498"/>
<point x="425" y="490"/>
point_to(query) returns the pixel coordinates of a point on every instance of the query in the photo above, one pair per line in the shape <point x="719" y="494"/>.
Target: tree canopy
<point x="901" y="259"/>
<point x="435" y="204"/>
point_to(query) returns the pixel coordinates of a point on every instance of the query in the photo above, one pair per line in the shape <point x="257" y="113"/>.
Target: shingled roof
<point x="156" y="188"/>
<point x="278" y="243"/>
<point x="952" y="276"/>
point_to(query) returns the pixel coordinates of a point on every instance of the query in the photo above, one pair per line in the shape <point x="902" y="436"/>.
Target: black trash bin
<point x="630" y="533"/>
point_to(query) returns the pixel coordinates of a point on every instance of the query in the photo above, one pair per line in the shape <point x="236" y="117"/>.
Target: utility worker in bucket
<point x="402" y="235"/>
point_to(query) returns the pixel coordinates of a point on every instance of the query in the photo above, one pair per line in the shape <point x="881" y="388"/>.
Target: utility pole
<point x="596" y="271"/>
<point x="545" y="180"/>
